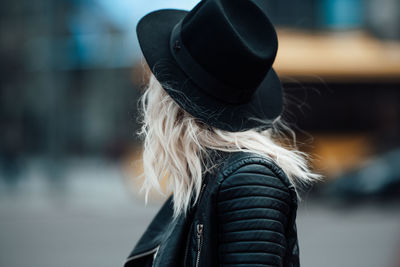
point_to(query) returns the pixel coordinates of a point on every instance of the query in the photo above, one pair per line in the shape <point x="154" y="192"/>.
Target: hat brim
<point x="153" y="32"/>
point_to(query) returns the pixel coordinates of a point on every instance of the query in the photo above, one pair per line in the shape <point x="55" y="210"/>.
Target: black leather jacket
<point x="245" y="217"/>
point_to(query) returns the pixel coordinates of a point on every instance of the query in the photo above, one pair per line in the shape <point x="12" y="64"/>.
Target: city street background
<point x="71" y="73"/>
<point x="50" y="224"/>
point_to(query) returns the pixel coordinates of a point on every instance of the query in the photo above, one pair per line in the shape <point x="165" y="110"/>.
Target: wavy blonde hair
<point x="176" y="144"/>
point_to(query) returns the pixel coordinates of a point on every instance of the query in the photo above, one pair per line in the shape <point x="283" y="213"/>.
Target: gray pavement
<point x="90" y="218"/>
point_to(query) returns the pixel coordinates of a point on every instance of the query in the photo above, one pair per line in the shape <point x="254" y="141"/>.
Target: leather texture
<point x="246" y="216"/>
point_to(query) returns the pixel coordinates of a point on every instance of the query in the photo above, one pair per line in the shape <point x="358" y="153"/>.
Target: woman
<point x="211" y="115"/>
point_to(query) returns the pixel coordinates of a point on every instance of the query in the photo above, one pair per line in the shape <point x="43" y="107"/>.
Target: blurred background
<point x="70" y="76"/>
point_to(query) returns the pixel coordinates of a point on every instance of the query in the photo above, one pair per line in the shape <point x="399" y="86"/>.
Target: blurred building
<point x="65" y="79"/>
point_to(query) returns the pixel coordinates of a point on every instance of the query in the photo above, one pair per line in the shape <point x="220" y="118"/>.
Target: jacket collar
<point x="156" y="231"/>
<point x="162" y="236"/>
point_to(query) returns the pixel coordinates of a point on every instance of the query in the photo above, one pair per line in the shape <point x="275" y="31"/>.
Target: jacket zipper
<point x="199" y="242"/>
<point x="187" y="240"/>
<point x="142" y="254"/>
<point x="155" y="255"/>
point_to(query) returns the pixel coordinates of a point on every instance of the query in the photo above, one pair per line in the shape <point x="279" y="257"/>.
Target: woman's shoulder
<point x="244" y="170"/>
<point x="251" y="164"/>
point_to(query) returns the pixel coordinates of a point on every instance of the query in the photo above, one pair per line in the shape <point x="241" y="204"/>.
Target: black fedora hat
<point x="216" y="61"/>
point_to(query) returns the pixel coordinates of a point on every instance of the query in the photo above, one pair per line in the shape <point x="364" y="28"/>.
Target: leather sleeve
<point x="253" y="208"/>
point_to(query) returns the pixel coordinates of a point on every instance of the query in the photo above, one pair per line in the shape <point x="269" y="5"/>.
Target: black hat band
<point x="201" y="77"/>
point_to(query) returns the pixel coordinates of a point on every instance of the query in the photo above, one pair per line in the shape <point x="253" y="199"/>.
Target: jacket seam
<point x="254" y="185"/>
<point x="258" y="230"/>
<point x="241" y="209"/>
<point x="253" y="241"/>
<point x="259" y="196"/>
<point x="254" y="219"/>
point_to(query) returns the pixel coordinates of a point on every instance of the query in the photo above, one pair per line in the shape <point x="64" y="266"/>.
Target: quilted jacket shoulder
<point x="254" y="207"/>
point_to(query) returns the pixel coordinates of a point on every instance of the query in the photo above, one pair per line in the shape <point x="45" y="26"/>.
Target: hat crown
<point x="232" y="40"/>
<point x="216" y="61"/>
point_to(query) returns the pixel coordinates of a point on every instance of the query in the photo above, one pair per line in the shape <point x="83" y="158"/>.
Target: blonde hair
<point x="176" y="144"/>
